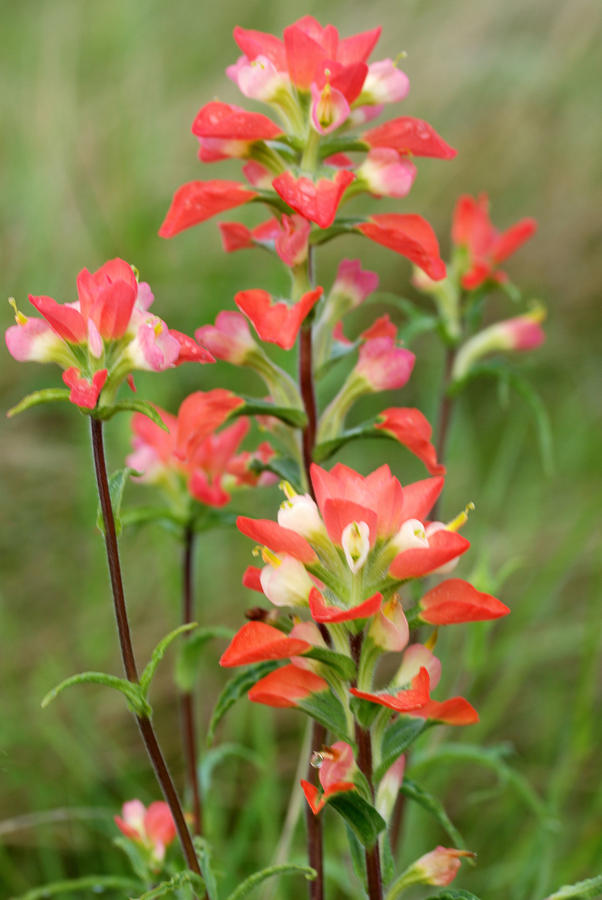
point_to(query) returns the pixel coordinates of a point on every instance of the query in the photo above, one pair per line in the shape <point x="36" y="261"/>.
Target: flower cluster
<point x="152" y="829"/>
<point x="102" y="337"/>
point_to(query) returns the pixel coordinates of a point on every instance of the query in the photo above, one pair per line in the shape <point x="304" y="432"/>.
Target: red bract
<point x="336" y="767"/>
<point x="287" y="687"/>
<point x="443" y="546"/>
<point x="316" y="201"/>
<point x="221" y="120"/>
<point x="84" y="392"/>
<point x="199" y="415"/>
<point x="411" y="428"/>
<point x="410" y="136"/>
<point x="376" y="498"/>
<point x="256" y="642"/>
<point x="409" y="235"/>
<point x="277" y="538"/>
<point x="152" y="828"/>
<point x="199" y="200"/>
<point x="404" y="701"/>
<point x="324" y="613"/>
<point x="229" y="339"/>
<point x="455" y="601"/>
<point x="276" y="322"/>
<point x="487" y="248"/>
<point x="455" y="711"/>
<point x="383" y="365"/>
<point x="190" y="350"/>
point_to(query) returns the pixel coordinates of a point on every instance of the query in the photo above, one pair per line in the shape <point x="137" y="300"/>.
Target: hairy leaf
<point x="158" y="654"/>
<point x="132" y="692"/>
<point x="325" y="708"/>
<point x="254" y="407"/>
<point x="48" y="395"/>
<point x="433" y="805"/>
<point x="282" y="466"/>
<point x="342" y="665"/>
<point x="397" y="738"/>
<point x="92" y="882"/>
<point x="582" y="890"/>
<point x="204" y="854"/>
<point x="179" y="880"/>
<point x="141" y="406"/>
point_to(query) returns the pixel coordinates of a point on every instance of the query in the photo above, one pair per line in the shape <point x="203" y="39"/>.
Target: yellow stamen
<point x="537" y="311"/>
<point x="287" y="489"/>
<point x="270" y="558"/>
<point x="158" y="328"/>
<point x="135" y="271"/>
<point x="432" y="640"/>
<point x="401" y="55"/>
<point x="20" y="319"/>
<point x="461" y="518"/>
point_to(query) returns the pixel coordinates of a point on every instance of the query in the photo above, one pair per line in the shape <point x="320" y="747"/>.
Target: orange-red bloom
<point x="199" y="200"/>
<point x="411" y="428"/>
<point x="256" y="642"/>
<point x="287" y="686"/>
<point x="409" y="235"/>
<point x="455" y="601"/>
<point x="276" y="323"/>
<point x="411" y="136"/>
<point x="317" y="201"/>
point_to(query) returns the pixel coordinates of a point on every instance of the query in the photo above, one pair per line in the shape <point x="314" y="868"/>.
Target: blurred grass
<point x="97" y="102"/>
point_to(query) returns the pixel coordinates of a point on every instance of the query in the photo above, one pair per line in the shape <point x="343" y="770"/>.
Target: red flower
<point x="409" y="235"/>
<point x="411" y="136"/>
<point x="455" y="601"/>
<point x="286" y="686"/>
<point x="153" y="828"/>
<point x="337" y="765"/>
<point x="383" y="365"/>
<point x="256" y="642"/>
<point x="277" y="538"/>
<point x="317" y="201"/>
<point x="276" y="322"/>
<point x="200" y="414"/>
<point x="487" y="247"/>
<point x="404" y="701"/>
<point x="190" y="351"/>
<point x="199" y="200"/>
<point x="443" y="546"/>
<point x="411" y="428"/>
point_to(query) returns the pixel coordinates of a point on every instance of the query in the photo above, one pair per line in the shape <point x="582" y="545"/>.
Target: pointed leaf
<point x="341" y="226"/>
<point x="234" y="690"/>
<point x="132" y="692"/>
<point x="325" y="449"/>
<point x="191" y="651"/>
<point x="582" y="890"/>
<point x="397" y="738"/>
<point x="254" y="407"/>
<point x="158" y="654"/>
<point x="93" y="882"/>
<point x="325" y="708"/>
<point x="433" y="805"/>
<point x="358" y="857"/>
<point x="341" y="144"/>
<point x="253" y="881"/>
<point x="117" y="483"/>
<point x="342" y="665"/>
<point x="141" y="406"/>
<point x="142" y="515"/>
<point x="48" y="395"/>
<point x="365" y="822"/>
<point x="453" y="894"/>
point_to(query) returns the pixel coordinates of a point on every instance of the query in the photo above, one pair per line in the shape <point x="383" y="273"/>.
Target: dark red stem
<point x="127" y="651"/>
<point x="189" y="731"/>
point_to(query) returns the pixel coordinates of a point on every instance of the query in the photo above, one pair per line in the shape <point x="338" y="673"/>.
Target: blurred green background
<point x="97" y="102"/>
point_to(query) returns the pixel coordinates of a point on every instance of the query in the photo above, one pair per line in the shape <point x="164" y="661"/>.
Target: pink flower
<point x="439" y="867"/>
<point x="336" y="768"/>
<point x="258" y="79"/>
<point x="226" y="131"/>
<point x="487" y="247"/>
<point x="329" y="108"/>
<point x="411" y="428"/>
<point x="383" y="365"/>
<point x="153" y="828"/>
<point x="84" y="392"/>
<point x="384" y="83"/>
<point x="353" y="284"/>
<point x="276" y="323"/>
<point x="292" y="242"/>
<point x="519" y="333"/>
<point x="316" y="201"/>
<point x="386" y="174"/>
<point x="229" y="339"/>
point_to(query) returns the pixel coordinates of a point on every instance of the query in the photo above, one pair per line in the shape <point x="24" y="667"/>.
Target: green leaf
<point x="282" y="466"/>
<point x="582" y="890"/>
<point x="326" y="448"/>
<point x="432" y="804"/>
<point x="342" y="226"/>
<point x="158" y="654"/>
<point x="179" y="880"/>
<point x="342" y="665"/>
<point x="234" y="690"/>
<point x="204" y="854"/>
<point x="337" y="353"/>
<point x="397" y="738"/>
<point x="142" y="515"/>
<point x="141" y="406"/>
<point x="132" y="692"/>
<point x="190" y="652"/>
<point x="326" y="709"/>
<point x="253" y="881"/>
<point x="93" y="882"/>
<point x="137" y="857"/>
<point x="358" y="857"/>
<point x="48" y="395"/>
<point x="365" y="822"/>
<point x="341" y="144"/>
<point x="117" y="483"/>
<point x="253" y="407"/>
